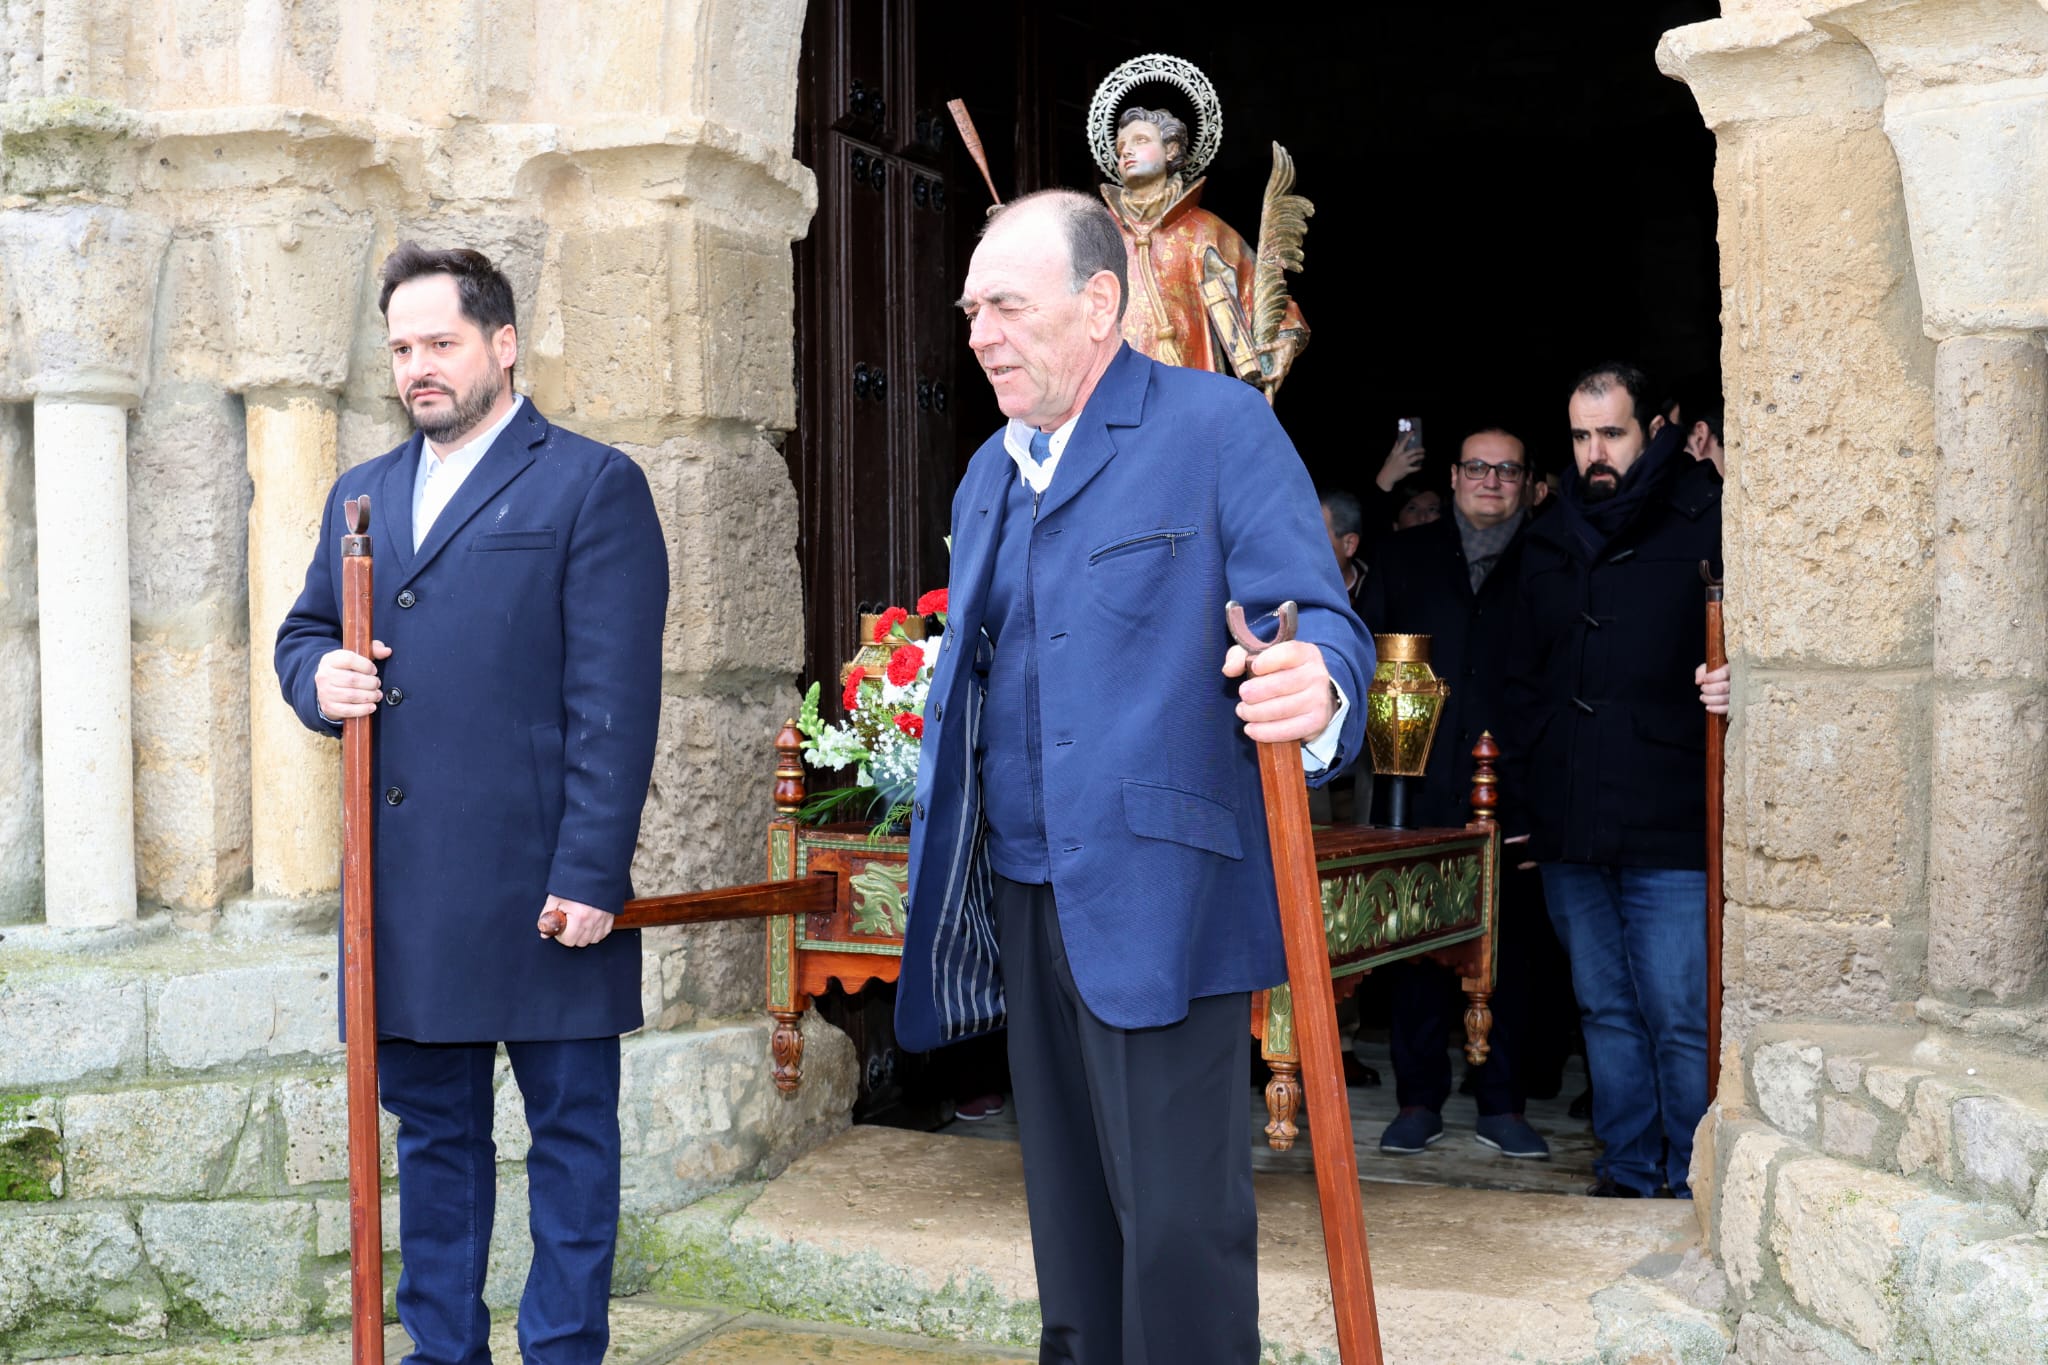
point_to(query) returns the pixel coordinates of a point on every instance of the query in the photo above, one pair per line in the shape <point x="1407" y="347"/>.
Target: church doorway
<point x="1503" y="196"/>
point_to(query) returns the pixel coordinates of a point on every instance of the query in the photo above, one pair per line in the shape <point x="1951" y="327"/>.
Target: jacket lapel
<point x="508" y="456"/>
<point x="393" y="505"/>
<point x="1118" y="401"/>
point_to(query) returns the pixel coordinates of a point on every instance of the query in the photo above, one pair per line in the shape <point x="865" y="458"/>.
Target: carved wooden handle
<point x="1240" y="630"/>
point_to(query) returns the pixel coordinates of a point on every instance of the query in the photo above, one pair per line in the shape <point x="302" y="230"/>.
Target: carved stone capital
<point x="292" y="291"/>
<point x="78" y="285"/>
<point x="1771" y="66"/>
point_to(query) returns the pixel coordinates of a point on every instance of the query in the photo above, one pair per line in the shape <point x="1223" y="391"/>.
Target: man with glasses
<point x="1454" y="579"/>
<point x="1606" y="753"/>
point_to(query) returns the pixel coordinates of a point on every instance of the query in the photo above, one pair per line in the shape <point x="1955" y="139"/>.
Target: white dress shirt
<point x="439" y="476"/>
<point x="1316" y="754"/>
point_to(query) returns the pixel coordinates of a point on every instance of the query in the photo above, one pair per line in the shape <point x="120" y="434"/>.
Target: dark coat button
<point x="406" y="599"/>
<point x="395" y="696"/>
<point x="393" y="796"/>
<point x="938" y="711"/>
<point x="920" y="810"/>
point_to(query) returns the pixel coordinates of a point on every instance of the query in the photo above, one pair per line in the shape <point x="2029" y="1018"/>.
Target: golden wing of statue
<point x="1283" y="222"/>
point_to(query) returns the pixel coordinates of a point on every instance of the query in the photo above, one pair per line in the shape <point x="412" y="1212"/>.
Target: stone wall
<point x="1873" y="1177"/>
<point x="194" y="195"/>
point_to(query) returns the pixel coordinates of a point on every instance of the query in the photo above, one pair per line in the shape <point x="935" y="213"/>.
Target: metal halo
<point x="1156" y="68"/>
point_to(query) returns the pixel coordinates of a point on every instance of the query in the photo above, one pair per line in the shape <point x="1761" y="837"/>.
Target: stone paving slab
<point x="1473" y="1276"/>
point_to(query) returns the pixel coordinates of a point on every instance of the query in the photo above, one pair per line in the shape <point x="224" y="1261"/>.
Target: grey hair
<point x="1094" y="242"/>
<point x="1171" y="130"/>
<point x="1346" y="517"/>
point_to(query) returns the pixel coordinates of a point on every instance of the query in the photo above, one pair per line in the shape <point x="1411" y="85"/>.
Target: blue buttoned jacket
<point x="514" y="745"/>
<point x="1176" y="492"/>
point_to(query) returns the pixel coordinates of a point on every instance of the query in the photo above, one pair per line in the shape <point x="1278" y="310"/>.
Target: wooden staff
<point x="1315" y="1020"/>
<point x="359" y="968"/>
<point x="965" y="123"/>
<point x="1717" y="731"/>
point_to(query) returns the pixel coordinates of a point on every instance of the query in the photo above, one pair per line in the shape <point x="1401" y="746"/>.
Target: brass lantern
<point x="1403" y="706"/>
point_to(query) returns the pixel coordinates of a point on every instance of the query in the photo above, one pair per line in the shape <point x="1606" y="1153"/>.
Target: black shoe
<point x="1582" y="1107"/>
<point x="1606" y="1188"/>
<point x="1357" y="1073"/>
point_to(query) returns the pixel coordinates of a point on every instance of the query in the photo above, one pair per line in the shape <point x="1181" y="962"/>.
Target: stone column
<point x="85" y="292"/>
<point x="1988" y="858"/>
<point x="1828" y="526"/>
<point x="294" y="289"/>
<point x="1976" y="189"/>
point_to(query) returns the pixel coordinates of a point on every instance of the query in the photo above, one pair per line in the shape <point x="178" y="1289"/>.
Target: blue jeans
<point x="1637" y="941"/>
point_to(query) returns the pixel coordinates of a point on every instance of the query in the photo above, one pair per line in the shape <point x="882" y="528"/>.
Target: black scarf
<point x="1594" y="524"/>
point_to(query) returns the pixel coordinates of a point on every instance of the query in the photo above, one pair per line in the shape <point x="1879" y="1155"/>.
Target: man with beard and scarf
<point x="1605" y="752"/>
<point x="521" y="590"/>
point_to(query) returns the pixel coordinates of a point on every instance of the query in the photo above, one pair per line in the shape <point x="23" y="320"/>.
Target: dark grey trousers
<point x="1137" y="1163"/>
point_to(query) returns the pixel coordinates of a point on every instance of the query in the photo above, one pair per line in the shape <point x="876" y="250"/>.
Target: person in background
<point x="1703" y="438"/>
<point x="1342" y="518"/>
<point x="1416" y="503"/>
<point x="1605" y="747"/>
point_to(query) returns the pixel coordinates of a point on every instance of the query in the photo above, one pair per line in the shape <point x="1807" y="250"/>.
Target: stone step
<point x="921" y="1233"/>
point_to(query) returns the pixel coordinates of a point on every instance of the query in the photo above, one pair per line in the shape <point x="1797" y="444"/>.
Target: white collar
<point x="1017" y="440"/>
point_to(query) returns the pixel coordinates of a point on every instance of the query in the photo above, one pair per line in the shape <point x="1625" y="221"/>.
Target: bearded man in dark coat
<point x="521" y="589"/>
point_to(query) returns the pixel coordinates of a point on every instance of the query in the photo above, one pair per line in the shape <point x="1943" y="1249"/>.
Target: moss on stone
<point x="31" y="1157"/>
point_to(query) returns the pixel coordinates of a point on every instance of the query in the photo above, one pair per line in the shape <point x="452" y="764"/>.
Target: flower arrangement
<point x="884" y="724"/>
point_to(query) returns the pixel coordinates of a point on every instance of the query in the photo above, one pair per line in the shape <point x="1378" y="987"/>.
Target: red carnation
<point x="911" y="723"/>
<point x="904" y="665"/>
<point x="850" y="698"/>
<point x="890" y="619"/>
<point x="932" y="603"/>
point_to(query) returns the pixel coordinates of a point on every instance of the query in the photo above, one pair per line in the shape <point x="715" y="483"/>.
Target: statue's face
<point x="1140" y="155"/>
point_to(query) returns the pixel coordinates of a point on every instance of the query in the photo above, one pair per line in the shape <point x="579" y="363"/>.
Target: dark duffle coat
<point x="516" y="738"/>
<point x="1421" y="585"/>
<point x="1607" y="737"/>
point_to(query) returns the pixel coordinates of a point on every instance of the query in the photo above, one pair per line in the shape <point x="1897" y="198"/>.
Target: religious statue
<point x="1200" y="296"/>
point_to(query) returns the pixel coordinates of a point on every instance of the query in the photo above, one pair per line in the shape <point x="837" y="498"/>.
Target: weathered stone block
<point x="1986" y="1302"/>
<point x="238" y="1266"/>
<point x="71" y="1270"/>
<point x="31" y="1150"/>
<point x="1927" y="1141"/>
<point x="1844" y="1073"/>
<point x="604" y="360"/>
<point x="736" y="600"/>
<point x="192" y="807"/>
<point x="86" y="316"/>
<point x="1847" y="1129"/>
<point x="1786" y="1077"/>
<point x="368" y="428"/>
<point x="246" y="1014"/>
<point x="176" y="1142"/>
<point x="2001" y="1145"/>
<point x="70" y="1028"/>
<point x="315" y="1115"/>
<point x="735" y="295"/>
<point x="1987" y="872"/>
<point x="1762" y="1339"/>
<point x="699" y="1110"/>
<point x="331" y="1228"/>
<point x="1840" y="1246"/>
<point x="1822" y="835"/>
<point x="722" y="744"/>
<point x="1742" y="1203"/>
<point x="293" y="298"/>
<point x="1890" y="1085"/>
<point x="1833" y="563"/>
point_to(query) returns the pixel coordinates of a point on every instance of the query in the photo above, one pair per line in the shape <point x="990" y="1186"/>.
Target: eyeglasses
<point x="1477" y="470"/>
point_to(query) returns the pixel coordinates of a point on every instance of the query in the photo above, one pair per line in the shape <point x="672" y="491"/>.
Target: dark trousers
<point x="1428" y="1005"/>
<point x="1137" y="1163"/>
<point x="447" y="1194"/>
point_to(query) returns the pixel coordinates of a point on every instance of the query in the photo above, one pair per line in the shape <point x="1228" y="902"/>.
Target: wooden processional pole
<point x="1315" y="1023"/>
<point x="1717" y="733"/>
<point x="359" y="968"/>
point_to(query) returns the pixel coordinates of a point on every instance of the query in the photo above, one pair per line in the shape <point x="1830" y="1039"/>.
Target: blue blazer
<point x="1177" y="491"/>
<point x="516" y="739"/>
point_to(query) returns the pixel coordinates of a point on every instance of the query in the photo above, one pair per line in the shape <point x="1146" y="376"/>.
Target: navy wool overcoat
<point x="515" y="741"/>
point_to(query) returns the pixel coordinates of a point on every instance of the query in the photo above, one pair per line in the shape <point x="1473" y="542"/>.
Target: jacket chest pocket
<point x="540" y="539"/>
<point x="1141" y="547"/>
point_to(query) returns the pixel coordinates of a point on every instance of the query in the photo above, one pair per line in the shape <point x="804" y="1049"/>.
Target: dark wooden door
<point x="875" y="450"/>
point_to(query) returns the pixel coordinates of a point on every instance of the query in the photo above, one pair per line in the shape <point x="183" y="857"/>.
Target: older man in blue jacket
<point x="1088" y="852"/>
<point x="521" y="588"/>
